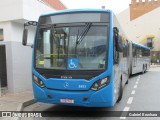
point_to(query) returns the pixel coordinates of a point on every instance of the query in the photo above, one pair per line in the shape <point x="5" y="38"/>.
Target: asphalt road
<point x="142" y="93"/>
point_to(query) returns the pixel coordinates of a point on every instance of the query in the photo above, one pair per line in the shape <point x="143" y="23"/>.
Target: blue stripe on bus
<point x="140" y="45"/>
<point x="77" y="10"/>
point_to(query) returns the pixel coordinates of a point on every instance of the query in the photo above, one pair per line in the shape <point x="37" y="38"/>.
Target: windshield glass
<point x="71" y="47"/>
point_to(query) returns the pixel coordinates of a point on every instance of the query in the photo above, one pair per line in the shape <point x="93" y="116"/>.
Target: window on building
<point x="1" y="35"/>
<point x="149" y="42"/>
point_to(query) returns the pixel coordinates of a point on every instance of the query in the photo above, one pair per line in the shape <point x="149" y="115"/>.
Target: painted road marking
<point x="130" y="100"/>
<point x="135" y="86"/>
<point x="133" y="92"/>
<point x="124" y="113"/>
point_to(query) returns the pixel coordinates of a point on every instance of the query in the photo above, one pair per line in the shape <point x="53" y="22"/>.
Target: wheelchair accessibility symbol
<point x="72" y="63"/>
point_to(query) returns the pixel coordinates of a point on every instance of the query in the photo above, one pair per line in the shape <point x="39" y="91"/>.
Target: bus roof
<point x="140" y="45"/>
<point x="77" y="10"/>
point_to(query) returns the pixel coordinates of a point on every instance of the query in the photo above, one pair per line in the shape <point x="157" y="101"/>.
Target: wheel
<point x="127" y="78"/>
<point x="143" y="70"/>
<point x="120" y="92"/>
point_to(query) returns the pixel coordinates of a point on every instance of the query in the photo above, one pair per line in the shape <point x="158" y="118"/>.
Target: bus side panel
<point x="121" y="70"/>
<point x="139" y="58"/>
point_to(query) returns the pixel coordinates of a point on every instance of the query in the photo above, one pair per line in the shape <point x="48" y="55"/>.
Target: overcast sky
<point x="116" y="5"/>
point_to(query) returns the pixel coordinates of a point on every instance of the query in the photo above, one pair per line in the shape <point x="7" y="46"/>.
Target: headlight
<point x="100" y="84"/>
<point x="38" y="81"/>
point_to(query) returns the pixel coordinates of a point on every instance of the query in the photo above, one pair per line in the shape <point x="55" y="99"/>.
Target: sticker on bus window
<point x="41" y="62"/>
<point x="72" y="64"/>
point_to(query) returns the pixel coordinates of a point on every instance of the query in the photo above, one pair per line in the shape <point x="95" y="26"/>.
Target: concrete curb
<point x="29" y="102"/>
<point x="22" y="105"/>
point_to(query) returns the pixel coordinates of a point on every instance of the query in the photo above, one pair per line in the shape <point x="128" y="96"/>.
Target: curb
<point x="25" y="104"/>
<point x="22" y="105"/>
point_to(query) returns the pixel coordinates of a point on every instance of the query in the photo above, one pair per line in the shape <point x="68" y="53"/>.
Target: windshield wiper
<point x="83" y="33"/>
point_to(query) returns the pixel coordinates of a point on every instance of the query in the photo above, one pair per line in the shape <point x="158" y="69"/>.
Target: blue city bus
<point x="80" y="58"/>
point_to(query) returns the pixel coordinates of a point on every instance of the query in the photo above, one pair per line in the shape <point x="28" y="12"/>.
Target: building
<point x="141" y="24"/>
<point x="15" y="59"/>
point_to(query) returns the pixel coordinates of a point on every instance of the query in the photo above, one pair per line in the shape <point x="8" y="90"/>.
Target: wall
<point x="19" y="58"/>
<point x="145" y="25"/>
<point x="32" y="9"/>
<point x="139" y="8"/>
<point x="10" y="10"/>
<point x="22" y="10"/>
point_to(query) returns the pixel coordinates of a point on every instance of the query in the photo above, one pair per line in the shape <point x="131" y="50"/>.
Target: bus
<point x="79" y="58"/>
<point x="139" y="56"/>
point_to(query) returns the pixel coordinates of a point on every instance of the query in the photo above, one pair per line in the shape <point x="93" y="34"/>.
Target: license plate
<point x="67" y="101"/>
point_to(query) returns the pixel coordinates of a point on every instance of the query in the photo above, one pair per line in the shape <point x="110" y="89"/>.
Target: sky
<point x="116" y="5"/>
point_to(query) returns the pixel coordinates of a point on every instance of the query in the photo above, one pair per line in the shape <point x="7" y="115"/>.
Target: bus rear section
<point x="139" y="58"/>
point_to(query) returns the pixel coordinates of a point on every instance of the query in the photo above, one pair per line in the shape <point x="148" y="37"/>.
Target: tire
<point x="120" y="92"/>
<point x="127" y="78"/>
<point x="143" y="70"/>
<point x="127" y="82"/>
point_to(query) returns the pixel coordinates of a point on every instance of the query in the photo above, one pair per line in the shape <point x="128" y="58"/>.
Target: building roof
<point x="56" y="4"/>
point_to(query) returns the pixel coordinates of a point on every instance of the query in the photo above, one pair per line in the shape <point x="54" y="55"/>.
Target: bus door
<point x="134" y="61"/>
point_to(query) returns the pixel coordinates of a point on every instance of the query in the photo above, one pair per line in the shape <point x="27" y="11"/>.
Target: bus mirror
<point x="25" y="35"/>
<point x="25" y="31"/>
<point x="118" y="40"/>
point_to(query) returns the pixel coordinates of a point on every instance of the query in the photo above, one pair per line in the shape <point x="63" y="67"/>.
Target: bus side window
<point x="134" y="51"/>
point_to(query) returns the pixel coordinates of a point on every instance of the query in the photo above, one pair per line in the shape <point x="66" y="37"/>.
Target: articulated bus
<point x="139" y="56"/>
<point x="80" y="58"/>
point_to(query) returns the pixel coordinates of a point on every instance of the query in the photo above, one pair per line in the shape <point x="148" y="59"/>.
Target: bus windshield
<point x="81" y="46"/>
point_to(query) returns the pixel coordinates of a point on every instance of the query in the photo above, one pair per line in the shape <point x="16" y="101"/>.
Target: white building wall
<point x="22" y="9"/>
<point x="33" y="8"/>
<point x="10" y="10"/>
<point x="6" y="26"/>
<point x="138" y="29"/>
<point x="19" y="58"/>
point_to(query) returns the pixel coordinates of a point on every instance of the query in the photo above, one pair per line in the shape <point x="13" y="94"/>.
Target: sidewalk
<point x="155" y="66"/>
<point x="16" y="101"/>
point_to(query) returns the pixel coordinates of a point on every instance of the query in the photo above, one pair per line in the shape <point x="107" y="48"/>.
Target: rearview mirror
<point x="25" y="35"/>
<point x="118" y="40"/>
<point x="25" y="31"/>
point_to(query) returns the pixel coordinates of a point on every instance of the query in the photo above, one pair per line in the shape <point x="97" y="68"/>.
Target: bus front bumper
<point x="101" y="98"/>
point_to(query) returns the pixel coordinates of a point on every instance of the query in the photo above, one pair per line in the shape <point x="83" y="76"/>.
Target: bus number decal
<point x="82" y="86"/>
